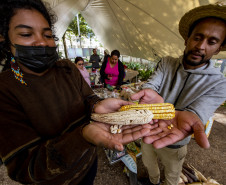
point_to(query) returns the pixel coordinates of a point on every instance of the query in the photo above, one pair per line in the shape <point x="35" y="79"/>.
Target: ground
<point x="210" y="162"/>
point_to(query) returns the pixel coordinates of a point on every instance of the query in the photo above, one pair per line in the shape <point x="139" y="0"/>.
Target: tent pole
<point x="79" y="31"/>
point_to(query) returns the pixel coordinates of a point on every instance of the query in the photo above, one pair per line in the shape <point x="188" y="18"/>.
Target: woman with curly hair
<point x="46" y="136"/>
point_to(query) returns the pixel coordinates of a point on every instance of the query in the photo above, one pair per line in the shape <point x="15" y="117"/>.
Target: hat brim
<point x="218" y="11"/>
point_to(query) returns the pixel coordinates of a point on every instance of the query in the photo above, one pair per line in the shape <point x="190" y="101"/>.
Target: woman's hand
<point x="99" y="134"/>
<point x="184" y="124"/>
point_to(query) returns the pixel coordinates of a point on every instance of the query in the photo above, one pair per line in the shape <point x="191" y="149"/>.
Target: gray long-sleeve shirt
<point x="200" y="91"/>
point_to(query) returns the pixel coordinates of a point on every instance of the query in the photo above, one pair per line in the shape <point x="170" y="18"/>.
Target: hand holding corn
<point x="135" y="115"/>
<point x="184" y="124"/>
<point x="98" y="133"/>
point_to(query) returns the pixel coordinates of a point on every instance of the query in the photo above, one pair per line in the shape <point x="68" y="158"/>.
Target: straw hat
<point x="211" y="10"/>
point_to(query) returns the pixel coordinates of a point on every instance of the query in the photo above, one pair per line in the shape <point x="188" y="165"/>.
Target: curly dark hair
<point x="8" y="9"/>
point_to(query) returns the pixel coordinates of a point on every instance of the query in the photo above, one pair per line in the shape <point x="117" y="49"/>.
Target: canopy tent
<point x="145" y="29"/>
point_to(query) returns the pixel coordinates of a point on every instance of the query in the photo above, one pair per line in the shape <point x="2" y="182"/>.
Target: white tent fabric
<point x="145" y="29"/>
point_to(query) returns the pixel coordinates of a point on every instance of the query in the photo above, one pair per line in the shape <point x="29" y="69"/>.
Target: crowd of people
<point x="46" y="134"/>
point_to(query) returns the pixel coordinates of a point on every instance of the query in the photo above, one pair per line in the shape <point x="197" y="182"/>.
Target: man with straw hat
<point x="193" y="85"/>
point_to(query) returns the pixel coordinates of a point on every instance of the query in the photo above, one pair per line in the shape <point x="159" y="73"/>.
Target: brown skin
<point x="95" y="52"/>
<point x="29" y="28"/>
<point x="184" y="124"/>
<point x="205" y="41"/>
<point x="113" y="60"/>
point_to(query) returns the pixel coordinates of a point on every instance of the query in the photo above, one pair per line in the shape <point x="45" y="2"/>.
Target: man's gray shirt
<point x="200" y="91"/>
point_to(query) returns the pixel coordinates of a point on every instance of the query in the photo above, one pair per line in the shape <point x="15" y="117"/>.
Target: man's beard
<point x="193" y="63"/>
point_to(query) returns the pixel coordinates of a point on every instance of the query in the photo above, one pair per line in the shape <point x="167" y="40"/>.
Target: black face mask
<point x="36" y="58"/>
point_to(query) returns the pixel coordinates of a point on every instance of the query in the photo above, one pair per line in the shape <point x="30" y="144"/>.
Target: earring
<point x="16" y="70"/>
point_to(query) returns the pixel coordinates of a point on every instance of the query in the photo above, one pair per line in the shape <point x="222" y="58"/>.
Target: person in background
<point x="192" y="84"/>
<point x="79" y="62"/>
<point x="46" y="136"/>
<point x="95" y="59"/>
<point x="112" y="70"/>
<point x="106" y="55"/>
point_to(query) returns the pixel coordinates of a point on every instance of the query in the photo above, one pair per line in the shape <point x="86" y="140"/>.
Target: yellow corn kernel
<point x="156" y="106"/>
<point x="160" y="110"/>
<point x="164" y="116"/>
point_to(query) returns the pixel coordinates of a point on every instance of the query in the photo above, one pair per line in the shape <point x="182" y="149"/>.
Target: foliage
<point x="144" y="71"/>
<point x="144" y="74"/>
<point x="134" y="66"/>
<point x="85" y="30"/>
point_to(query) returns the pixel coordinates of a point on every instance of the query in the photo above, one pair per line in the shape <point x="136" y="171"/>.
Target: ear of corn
<point x="130" y="117"/>
<point x="160" y="110"/>
<point x="137" y="114"/>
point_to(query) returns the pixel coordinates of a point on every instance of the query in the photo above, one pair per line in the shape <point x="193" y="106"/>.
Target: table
<point x="130" y="74"/>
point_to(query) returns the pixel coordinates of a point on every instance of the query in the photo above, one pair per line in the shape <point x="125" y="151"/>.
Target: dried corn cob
<point x="160" y="110"/>
<point x="129" y="117"/>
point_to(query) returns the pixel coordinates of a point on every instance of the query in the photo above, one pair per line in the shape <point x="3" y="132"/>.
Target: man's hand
<point x="147" y="96"/>
<point x="110" y="105"/>
<point x="184" y="124"/>
<point x="99" y="134"/>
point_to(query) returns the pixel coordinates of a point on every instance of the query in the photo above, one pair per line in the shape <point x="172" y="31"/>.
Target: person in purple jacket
<point x="79" y="62"/>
